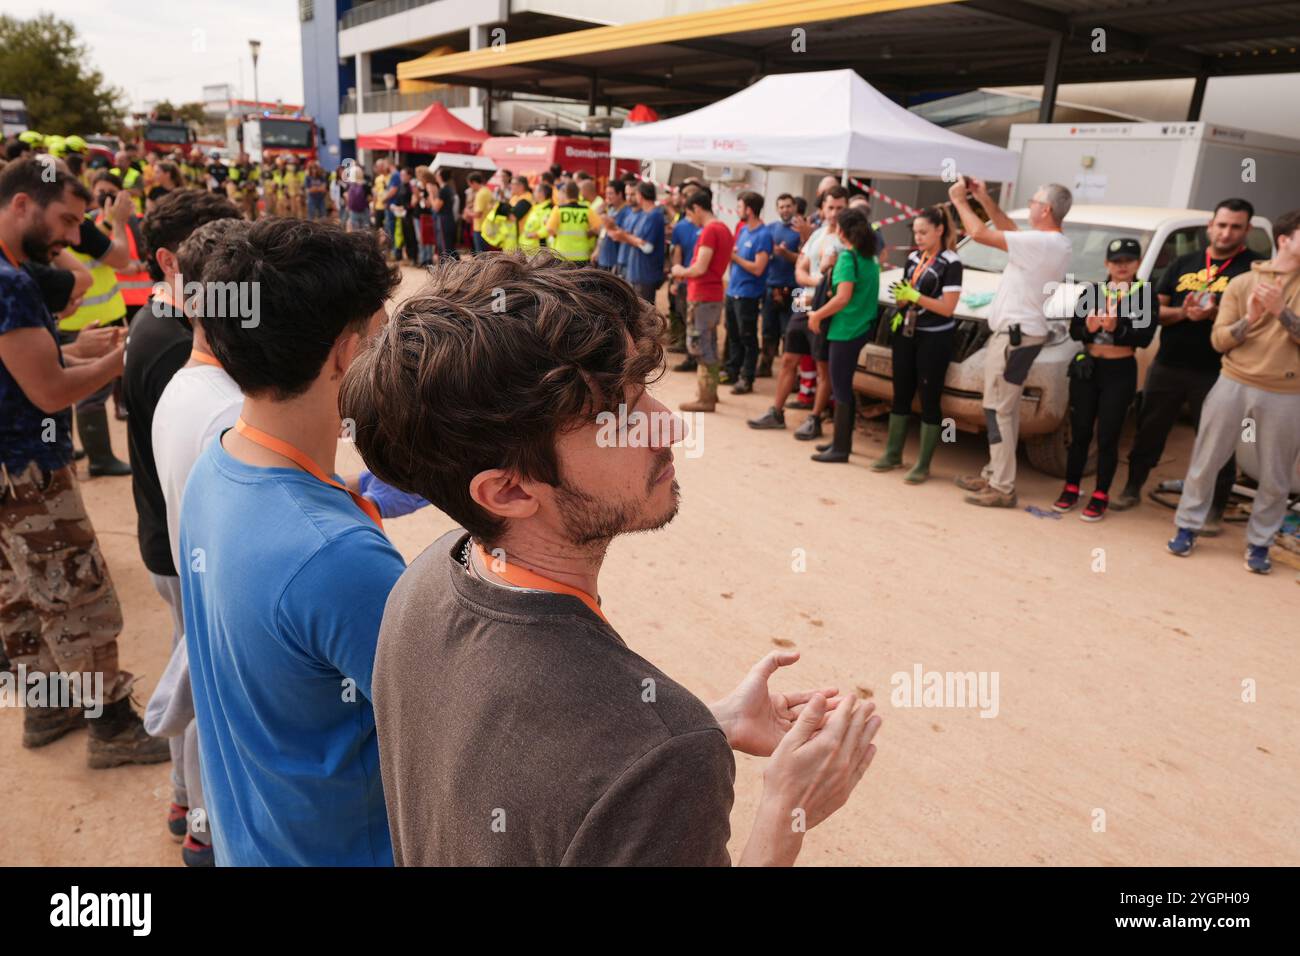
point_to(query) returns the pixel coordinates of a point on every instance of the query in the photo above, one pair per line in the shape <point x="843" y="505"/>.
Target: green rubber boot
<point x="929" y="439"/>
<point x="893" y="456"/>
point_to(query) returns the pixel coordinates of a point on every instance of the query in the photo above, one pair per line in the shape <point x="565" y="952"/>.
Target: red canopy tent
<point x="533" y="154"/>
<point x="433" y="131"/>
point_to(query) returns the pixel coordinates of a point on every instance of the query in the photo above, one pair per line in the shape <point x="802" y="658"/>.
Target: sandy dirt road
<point x="1119" y="691"/>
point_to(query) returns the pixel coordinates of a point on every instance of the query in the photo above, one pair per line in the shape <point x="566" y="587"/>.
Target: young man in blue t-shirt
<point x="746" y="286"/>
<point x="644" y="236"/>
<point x="778" y="300"/>
<point x="284" y="570"/>
<point x="682" y="248"/>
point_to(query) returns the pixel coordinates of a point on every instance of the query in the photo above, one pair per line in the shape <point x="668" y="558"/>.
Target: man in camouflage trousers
<point x="59" y="614"/>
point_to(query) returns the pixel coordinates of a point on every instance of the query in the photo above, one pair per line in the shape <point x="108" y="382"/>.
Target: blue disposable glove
<point x="391" y="502"/>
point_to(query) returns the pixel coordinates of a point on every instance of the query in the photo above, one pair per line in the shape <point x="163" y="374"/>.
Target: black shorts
<point x="801" y="340"/>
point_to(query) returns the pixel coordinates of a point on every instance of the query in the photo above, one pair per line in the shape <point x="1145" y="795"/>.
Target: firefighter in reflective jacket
<point x="532" y="232"/>
<point x="500" y="231"/>
<point x="242" y="185"/>
<point x="572" y="226"/>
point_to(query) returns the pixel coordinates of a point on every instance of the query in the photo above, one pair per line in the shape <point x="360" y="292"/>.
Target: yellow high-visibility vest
<point x="571" y="240"/>
<point x="534" y="222"/>
<point x="498" y="231"/>
<point x="102" y="303"/>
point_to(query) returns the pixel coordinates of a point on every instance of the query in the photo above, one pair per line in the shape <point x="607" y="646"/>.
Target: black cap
<point x="1123" y="249"/>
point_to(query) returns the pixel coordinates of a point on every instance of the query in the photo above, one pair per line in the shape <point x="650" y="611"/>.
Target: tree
<point x="47" y="65"/>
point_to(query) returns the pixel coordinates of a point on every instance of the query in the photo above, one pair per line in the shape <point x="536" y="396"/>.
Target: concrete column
<point x="478" y="38"/>
<point x="364" y="86"/>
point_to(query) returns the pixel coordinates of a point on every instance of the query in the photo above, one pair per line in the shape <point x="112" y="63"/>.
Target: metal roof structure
<point x="909" y="49"/>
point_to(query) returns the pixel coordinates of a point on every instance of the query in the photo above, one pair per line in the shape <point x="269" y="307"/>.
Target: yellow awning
<point x="742" y="17"/>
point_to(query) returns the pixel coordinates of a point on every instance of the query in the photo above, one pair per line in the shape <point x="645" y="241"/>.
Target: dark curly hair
<point x="178" y="214"/>
<point x="313" y="281"/>
<point x="487" y="366"/>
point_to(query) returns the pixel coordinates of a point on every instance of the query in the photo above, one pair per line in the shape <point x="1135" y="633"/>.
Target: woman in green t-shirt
<point x="851" y="314"/>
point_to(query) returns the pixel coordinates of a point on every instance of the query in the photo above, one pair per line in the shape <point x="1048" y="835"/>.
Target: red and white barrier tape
<point x="908" y="212"/>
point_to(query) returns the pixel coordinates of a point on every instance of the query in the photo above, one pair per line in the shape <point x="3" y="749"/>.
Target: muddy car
<point x="1165" y="234"/>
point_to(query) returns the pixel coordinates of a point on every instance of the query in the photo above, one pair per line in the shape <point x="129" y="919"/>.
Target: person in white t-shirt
<point x="1037" y="259"/>
<point x="198" y="404"/>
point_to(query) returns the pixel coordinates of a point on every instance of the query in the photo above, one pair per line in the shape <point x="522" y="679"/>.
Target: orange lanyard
<point x="1210" y="274"/>
<point x="8" y="255"/>
<point x="523" y="578"/>
<point x="920" y="269"/>
<point x="204" y="358"/>
<point x="258" y="437"/>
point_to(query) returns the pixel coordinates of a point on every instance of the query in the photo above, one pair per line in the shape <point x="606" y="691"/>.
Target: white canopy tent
<point x="830" y="120"/>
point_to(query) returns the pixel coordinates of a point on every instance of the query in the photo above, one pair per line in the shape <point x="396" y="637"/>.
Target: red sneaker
<point x="177" y="824"/>
<point x="1068" y="499"/>
<point x="1096" y="509"/>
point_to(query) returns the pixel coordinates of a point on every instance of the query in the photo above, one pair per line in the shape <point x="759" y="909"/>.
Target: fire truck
<point x="162" y="136"/>
<point x="267" y="135"/>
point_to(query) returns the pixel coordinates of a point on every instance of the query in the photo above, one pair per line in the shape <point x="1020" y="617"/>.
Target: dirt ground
<point x="1121" y="734"/>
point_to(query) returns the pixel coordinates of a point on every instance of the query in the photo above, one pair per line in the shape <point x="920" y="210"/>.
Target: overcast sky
<point x="171" y="49"/>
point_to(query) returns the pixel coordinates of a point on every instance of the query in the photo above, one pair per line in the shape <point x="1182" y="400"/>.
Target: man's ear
<point x="502" y="494"/>
<point x="166" y="260"/>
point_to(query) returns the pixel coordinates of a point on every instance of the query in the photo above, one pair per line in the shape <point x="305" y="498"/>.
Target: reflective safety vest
<point x="534" y="222"/>
<point x="102" y="303"/>
<point x="571" y="240"/>
<point x="135" y="286"/>
<point x="499" y="232"/>
<point x="130" y="179"/>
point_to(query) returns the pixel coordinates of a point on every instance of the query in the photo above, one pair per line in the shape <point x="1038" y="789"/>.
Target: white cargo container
<point x="1172" y="165"/>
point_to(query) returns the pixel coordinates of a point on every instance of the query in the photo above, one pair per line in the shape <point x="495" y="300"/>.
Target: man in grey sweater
<point x="515" y="725"/>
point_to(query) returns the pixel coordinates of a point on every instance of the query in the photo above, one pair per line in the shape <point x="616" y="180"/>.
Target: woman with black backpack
<point x="846" y="321"/>
<point x="1113" y="319"/>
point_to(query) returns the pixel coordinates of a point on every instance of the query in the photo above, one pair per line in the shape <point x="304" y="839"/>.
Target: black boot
<point x="44" y="725"/>
<point x="1131" y="496"/>
<point x="842" y="443"/>
<point x="93" y="426"/>
<point x="685" y="365"/>
<point x="117" y="736"/>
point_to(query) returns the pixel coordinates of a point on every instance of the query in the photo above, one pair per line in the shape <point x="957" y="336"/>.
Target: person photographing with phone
<point x="1112" y="319"/>
<point x="1037" y="259"/>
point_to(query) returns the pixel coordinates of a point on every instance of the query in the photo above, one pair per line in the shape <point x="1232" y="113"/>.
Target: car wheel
<point x="1048" y="453"/>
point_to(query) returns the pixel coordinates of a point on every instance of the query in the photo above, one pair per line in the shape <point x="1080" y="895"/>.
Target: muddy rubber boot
<point x="765" y="360"/>
<point x="117" y="737"/>
<point x="93" y="426"/>
<point x="929" y="439"/>
<point x="706" y="390"/>
<point x="1131" y="496"/>
<point x="44" y="725"/>
<point x="893" y="456"/>
<point x="842" y="443"/>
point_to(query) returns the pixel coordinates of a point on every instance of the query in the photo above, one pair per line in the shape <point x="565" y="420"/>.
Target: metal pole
<point x="1051" y="78"/>
<point x="1198" y="98"/>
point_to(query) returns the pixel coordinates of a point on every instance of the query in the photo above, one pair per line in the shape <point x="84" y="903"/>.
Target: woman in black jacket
<point x="1113" y="319"/>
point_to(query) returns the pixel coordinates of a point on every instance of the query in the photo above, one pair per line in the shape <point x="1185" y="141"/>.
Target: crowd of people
<point x="308" y="661"/>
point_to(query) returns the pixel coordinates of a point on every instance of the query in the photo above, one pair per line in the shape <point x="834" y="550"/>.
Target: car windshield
<point x="291" y="133"/>
<point x="1087" y="248"/>
<point x="167" y="134"/>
